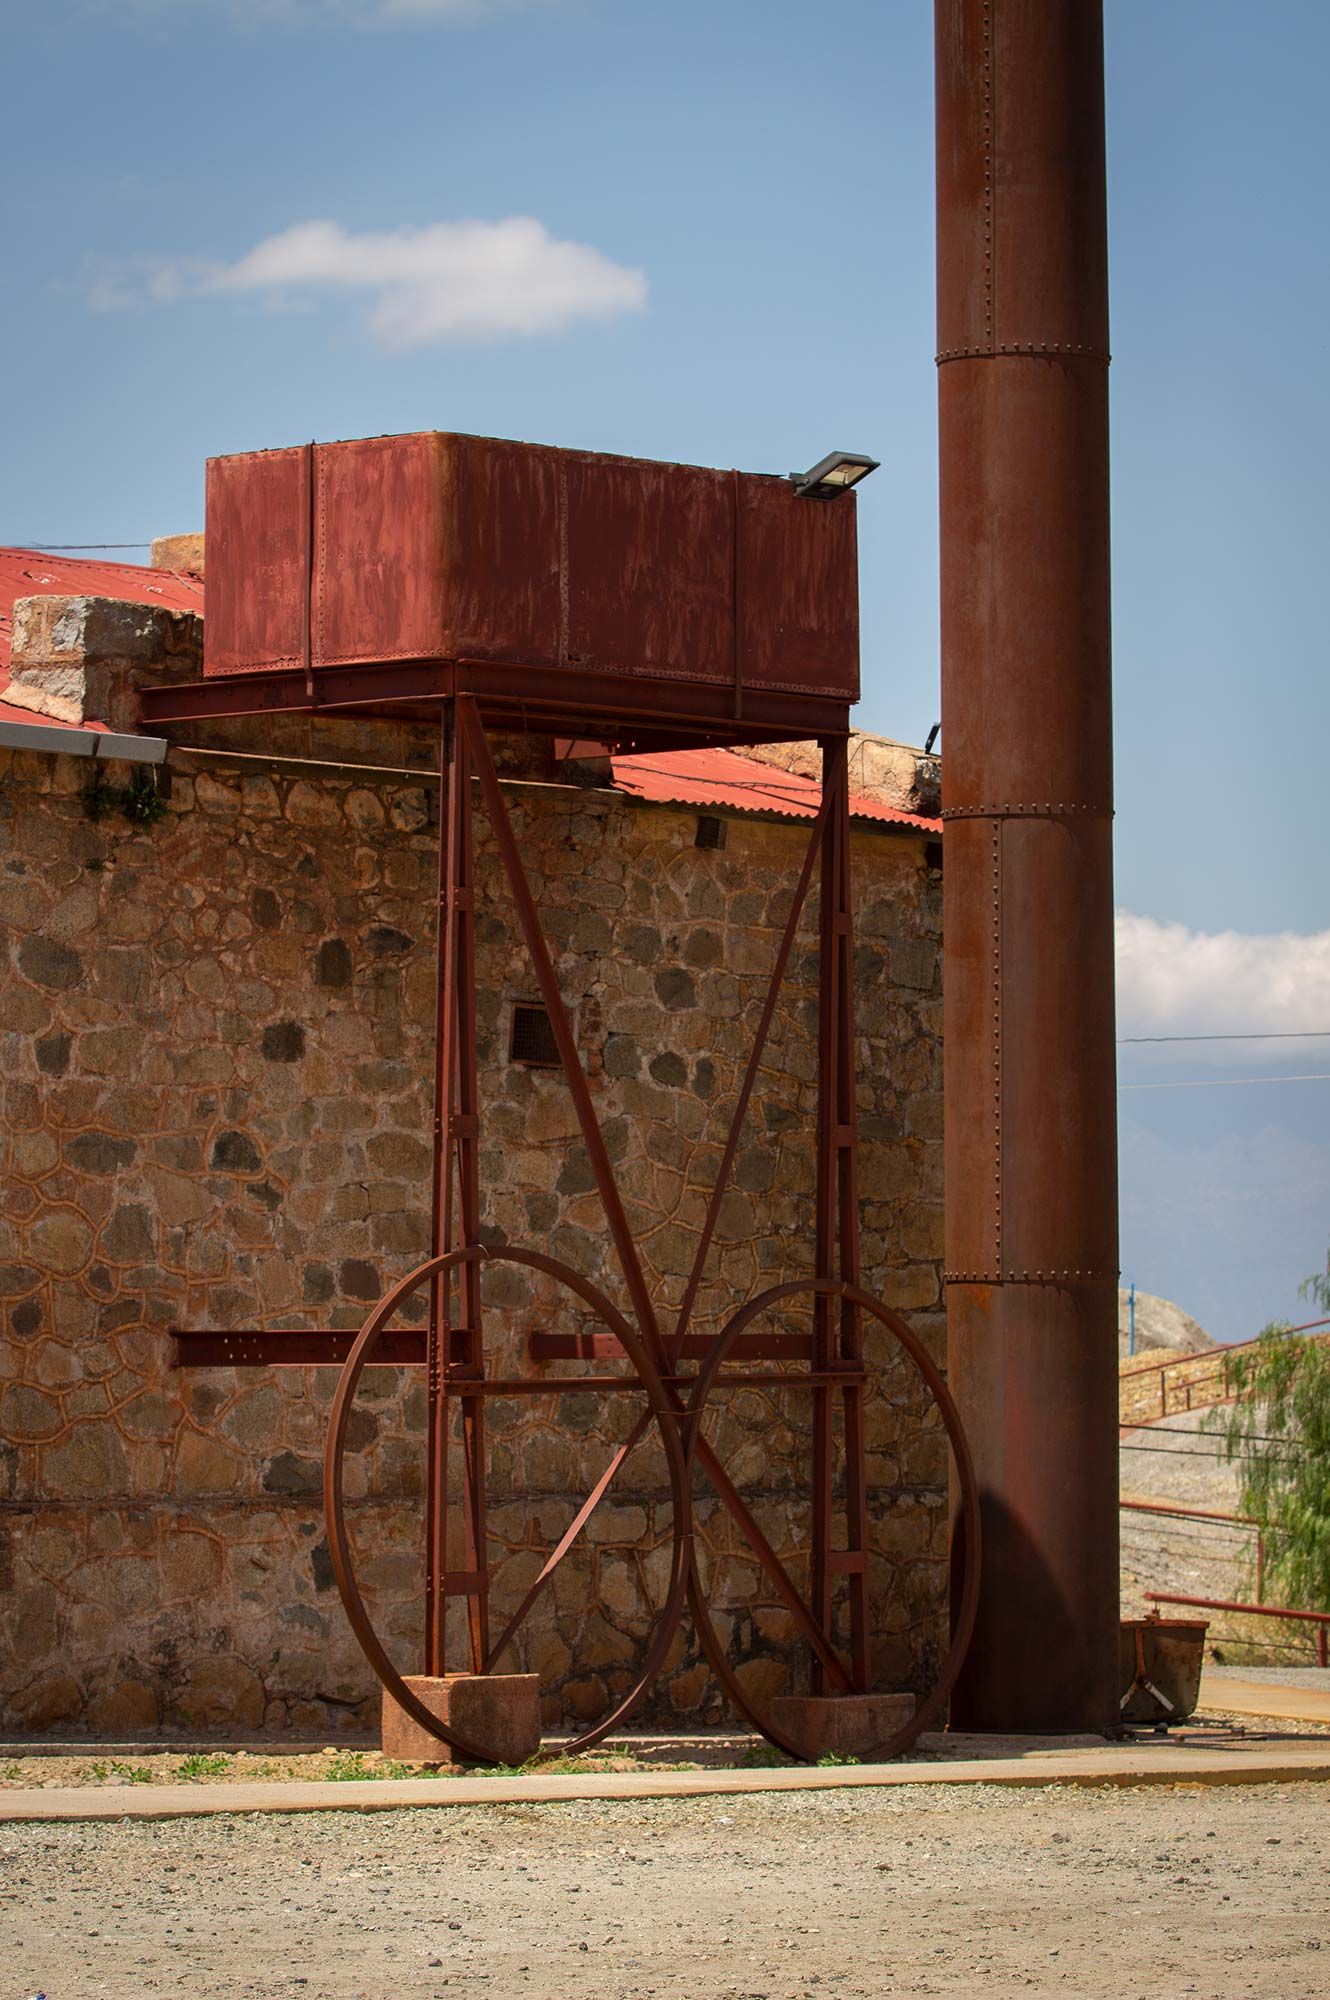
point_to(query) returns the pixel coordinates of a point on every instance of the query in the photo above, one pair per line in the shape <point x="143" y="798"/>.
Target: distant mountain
<point x="1160" y="1324"/>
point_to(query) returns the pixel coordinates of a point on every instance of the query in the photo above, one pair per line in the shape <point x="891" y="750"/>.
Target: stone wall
<point x="216" y="1049"/>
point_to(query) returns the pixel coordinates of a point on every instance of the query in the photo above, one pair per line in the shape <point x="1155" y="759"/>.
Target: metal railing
<point x="1179" y="1390"/>
<point x="1206" y="1514"/>
<point x="1321" y="1619"/>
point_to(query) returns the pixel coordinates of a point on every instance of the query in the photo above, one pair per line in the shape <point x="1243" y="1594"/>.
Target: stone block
<point x="498" y="1713"/>
<point x="82" y="659"/>
<point x="221" y="1692"/>
<point x="124" y="1709"/>
<point x="89" y="1464"/>
<point x="53" y="1699"/>
<point x="178" y="552"/>
<point x="854" y="1725"/>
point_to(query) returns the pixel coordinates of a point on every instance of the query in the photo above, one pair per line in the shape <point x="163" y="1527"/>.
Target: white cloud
<point x="439" y="10"/>
<point x="355" y="12"/>
<point x="445" y="281"/>
<point x="1175" y="981"/>
<point x="400" y="10"/>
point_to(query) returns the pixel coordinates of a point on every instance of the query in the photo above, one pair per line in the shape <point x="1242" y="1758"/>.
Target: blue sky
<point x="729" y="259"/>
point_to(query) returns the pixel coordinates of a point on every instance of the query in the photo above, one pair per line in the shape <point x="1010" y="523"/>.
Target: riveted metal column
<point x="1031" y="1166"/>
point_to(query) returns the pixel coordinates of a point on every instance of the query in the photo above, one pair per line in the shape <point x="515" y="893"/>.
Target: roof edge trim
<point x="55" y="739"/>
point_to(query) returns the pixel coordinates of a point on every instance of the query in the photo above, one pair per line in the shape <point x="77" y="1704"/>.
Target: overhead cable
<point x="1226" y="1082"/>
<point x="1273" y="1035"/>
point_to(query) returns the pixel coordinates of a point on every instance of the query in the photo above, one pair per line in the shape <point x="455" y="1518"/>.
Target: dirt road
<point x="1217" y="1893"/>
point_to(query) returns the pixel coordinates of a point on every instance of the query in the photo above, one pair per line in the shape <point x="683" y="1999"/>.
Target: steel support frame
<point x="835" y="1379"/>
<point x="634" y="715"/>
<point x="829" y="1362"/>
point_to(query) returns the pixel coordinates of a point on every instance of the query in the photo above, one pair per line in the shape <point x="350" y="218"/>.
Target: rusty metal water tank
<point x="443" y="547"/>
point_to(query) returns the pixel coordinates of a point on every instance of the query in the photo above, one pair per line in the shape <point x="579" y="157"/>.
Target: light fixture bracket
<point x="836" y="473"/>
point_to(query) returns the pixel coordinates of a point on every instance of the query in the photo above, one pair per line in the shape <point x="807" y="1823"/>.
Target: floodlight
<point x="834" y="474"/>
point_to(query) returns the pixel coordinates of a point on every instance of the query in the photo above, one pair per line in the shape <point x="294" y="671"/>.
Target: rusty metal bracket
<point x="1025" y="812"/>
<point x="1060" y="1278"/>
<point x="1037" y="350"/>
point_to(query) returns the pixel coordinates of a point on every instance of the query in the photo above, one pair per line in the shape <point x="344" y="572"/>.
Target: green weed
<point x="141" y="802"/>
<point x="349" y="1767"/>
<point x="133" y="1774"/>
<point x="203" y="1766"/>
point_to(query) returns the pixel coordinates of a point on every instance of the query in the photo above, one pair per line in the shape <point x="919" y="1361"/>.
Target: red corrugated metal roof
<point x="702" y="778"/>
<point x="728" y="779"/>
<point x="29" y="573"/>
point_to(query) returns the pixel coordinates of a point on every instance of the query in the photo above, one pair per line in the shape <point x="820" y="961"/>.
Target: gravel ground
<point x="1175" y="1459"/>
<point x="1251" y="1730"/>
<point x="221" y="1765"/>
<point x="811" y="1896"/>
<point x="53" y="1766"/>
<point x="1292" y="1677"/>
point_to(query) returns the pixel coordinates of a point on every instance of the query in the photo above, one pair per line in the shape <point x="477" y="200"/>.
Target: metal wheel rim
<point x="667" y="1423"/>
<point x="963" y="1626"/>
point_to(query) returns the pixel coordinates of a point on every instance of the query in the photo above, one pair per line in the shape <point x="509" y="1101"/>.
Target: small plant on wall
<point x="98" y="798"/>
<point x="141" y="800"/>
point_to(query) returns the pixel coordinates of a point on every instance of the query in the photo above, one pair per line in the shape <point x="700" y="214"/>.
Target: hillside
<point x="1159" y="1324"/>
<point x="1176" y="1463"/>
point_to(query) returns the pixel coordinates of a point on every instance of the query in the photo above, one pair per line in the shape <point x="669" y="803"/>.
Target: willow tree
<point x="1278" y="1432"/>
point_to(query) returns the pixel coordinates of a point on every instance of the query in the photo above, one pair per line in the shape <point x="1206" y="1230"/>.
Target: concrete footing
<point x="498" y="1713"/>
<point x="842" y="1725"/>
<point x="1154" y="1762"/>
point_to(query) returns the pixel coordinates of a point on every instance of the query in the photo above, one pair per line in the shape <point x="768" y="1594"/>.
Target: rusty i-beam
<point x="1031" y="1166"/>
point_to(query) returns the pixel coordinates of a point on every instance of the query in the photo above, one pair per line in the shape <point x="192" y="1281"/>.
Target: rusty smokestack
<point x="1031" y="1148"/>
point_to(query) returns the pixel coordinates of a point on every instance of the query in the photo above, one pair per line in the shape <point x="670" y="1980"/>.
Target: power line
<point x="1275" y="1035"/>
<point x="74" y="548"/>
<point x="1181" y="1451"/>
<point x="1227" y="1082"/>
<point x="1181" y="1431"/>
<point x="1289" y="1645"/>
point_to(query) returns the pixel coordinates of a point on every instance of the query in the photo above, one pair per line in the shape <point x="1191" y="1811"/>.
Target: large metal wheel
<point x="679" y="1425"/>
<point x="966" y="1598"/>
<point x="663" y="1412"/>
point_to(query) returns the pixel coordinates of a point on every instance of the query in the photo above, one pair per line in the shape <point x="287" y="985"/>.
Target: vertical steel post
<point x="1031" y="1169"/>
<point x="837" y="1241"/>
<point x="824" y="1252"/>
<point x="436" y="1338"/>
<point x="852" y="1560"/>
<point x="454" y="1355"/>
<point x="468" y="1340"/>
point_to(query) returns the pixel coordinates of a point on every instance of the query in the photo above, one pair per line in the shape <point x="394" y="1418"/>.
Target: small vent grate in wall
<point x="532" y="1038"/>
<point x="710" y="831"/>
